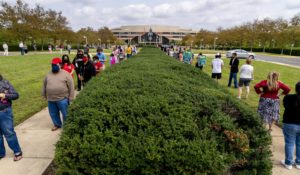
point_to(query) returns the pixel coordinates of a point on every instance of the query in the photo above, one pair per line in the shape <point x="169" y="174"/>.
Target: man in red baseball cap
<point x="58" y="89"/>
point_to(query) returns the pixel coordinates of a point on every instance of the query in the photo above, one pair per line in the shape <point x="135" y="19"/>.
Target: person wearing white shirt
<point x="5" y="48"/>
<point x="246" y="75"/>
<point x="217" y="66"/>
<point x="21" y="46"/>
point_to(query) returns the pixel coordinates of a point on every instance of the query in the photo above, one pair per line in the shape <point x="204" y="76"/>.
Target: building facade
<point x="154" y="34"/>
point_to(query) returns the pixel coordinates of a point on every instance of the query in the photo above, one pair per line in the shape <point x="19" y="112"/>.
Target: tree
<point x="295" y="21"/>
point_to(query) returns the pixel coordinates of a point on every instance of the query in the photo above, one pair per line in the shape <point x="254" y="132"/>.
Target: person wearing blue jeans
<point x="55" y="107"/>
<point x="234" y="69"/>
<point x="7" y="94"/>
<point x="291" y="128"/>
<point x="58" y="89"/>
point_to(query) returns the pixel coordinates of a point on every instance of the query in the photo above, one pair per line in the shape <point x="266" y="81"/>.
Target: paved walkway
<point x="38" y="145"/>
<point x="278" y="154"/>
<point x="37" y="142"/>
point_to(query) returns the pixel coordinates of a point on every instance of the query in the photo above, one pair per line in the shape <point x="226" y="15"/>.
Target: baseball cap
<point x="56" y="61"/>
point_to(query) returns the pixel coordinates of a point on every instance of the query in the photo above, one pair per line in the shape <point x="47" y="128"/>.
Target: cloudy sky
<point x="195" y="14"/>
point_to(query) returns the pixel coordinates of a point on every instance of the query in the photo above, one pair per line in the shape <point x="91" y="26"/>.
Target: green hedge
<point x="154" y="115"/>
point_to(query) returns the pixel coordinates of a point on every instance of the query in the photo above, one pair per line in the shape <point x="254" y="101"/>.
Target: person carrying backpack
<point x="201" y="61"/>
<point x="187" y="56"/>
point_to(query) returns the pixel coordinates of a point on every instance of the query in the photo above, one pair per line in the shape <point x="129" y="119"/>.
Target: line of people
<point x="270" y="91"/>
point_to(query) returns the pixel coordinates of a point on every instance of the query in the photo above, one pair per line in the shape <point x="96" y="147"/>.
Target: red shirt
<point x="266" y="93"/>
<point x="69" y="68"/>
<point x="98" y="66"/>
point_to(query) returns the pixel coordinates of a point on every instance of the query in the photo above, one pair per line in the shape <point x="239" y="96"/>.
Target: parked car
<point x="240" y="53"/>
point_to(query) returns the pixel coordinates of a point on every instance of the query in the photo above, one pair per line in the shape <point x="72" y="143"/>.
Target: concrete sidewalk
<point x="37" y="142"/>
<point x="277" y="149"/>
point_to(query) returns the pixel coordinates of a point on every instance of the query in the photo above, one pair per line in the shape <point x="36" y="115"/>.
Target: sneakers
<point x="289" y="167"/>
<point x="55" y="128"/>
<point x="298" y="167"/>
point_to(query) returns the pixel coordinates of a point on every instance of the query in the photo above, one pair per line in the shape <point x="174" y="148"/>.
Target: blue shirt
<point x="102" y="57"/>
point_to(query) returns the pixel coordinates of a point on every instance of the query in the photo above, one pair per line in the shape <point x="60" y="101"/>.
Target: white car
<point x="240" y="53"/>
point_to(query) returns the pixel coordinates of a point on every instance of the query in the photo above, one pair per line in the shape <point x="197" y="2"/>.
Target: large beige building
<point x="152" y="34"/>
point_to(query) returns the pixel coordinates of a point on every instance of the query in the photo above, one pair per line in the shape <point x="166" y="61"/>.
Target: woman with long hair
<point x="291" y="128"/>
<point x="67" y="65"/>
<point x="269" y="102"/>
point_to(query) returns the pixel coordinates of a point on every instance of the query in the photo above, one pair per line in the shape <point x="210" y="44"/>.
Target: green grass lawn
<point x="288" y="75"/>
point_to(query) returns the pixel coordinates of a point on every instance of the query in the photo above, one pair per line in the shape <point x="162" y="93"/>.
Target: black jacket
<point x="78" y="63"/>
<point x="234" y="65"/>
<point x="291" y="113"/>
<point x="88" y="71"/>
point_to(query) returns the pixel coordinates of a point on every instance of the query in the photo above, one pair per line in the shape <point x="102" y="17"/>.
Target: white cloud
<point x="132" y="12"/>
<point x="208" y="14"/>
<point x="163" y="10"/>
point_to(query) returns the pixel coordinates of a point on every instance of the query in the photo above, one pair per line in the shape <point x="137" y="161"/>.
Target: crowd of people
<point x="58" y="90"/>
<point x="269" y="90"/>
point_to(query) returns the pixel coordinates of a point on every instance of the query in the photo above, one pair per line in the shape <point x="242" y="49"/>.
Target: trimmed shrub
<point x="154" y="115"/>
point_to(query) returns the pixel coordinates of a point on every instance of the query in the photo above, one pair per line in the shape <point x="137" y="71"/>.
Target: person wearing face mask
<point x="58" y="89"/>
<point x="78" y="63"/>
<point x="7" y="94"/>
<point x="97" y="64"/>
<point x="88" y="70"/>
<point x="67" y="65"/>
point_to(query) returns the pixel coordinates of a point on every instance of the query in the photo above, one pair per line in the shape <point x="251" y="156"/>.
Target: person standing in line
<point x="88" y="70"/>
<point x="5" y="48"/>
<point x="7" y="94"/>
<point x="201" y="61"/>
<point x="129" y="51"/>
<point x="291" y="128"/>
<point x="234" y="69"/>
<point x="269" y="102"/>
<point x="78" y="63"/>
<point x="187" y="56"/>
<point x="58" y="89"/>
<point x="97" y="64"/>
<point x="180" y="56"/>
<point x="113" y="59"/>
<point x="217" y="66"/>
<point x="67" y="65"/>
<point x="246" y="75"/>
<point x="21" y="46"/>
<point x="101" y="56"/>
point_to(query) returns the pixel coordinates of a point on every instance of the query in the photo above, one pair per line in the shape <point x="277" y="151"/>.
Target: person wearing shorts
<point x="217" y="66"/>
<point x="246" y="75"/>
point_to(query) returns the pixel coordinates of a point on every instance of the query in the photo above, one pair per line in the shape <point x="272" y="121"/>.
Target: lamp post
<point x="99" y="42"/>
<point x="201" y="45"/>
<point x="273" y="43"/>
<point x="292" y="45"/>
<point x="215" y="42"/>
<point x="85" y="40"/>
<point x="108" y="41"/>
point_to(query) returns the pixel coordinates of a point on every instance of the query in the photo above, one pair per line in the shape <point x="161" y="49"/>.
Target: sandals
<point x="18" y="156"/>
